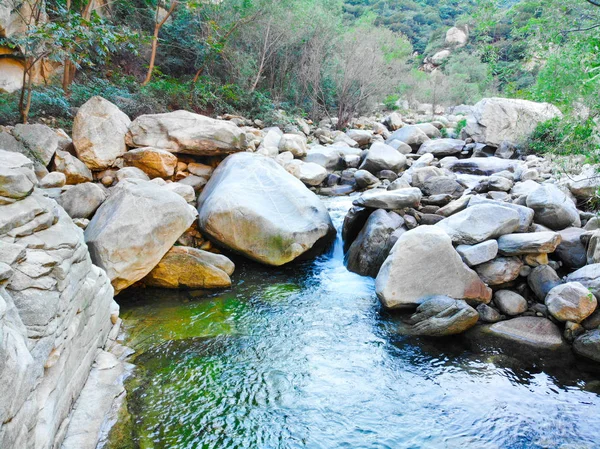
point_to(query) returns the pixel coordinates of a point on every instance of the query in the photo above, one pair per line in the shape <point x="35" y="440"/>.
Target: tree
<point x="160" y="18"/>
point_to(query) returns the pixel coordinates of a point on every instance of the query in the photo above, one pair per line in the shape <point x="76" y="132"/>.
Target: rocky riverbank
<point x="458" y="227"/>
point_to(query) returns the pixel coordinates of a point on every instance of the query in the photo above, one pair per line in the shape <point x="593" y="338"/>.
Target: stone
<point x="252" y="206"/>
<point x="374" y="242"/>
<point x="570" y="302"/>
<point x="294" y="143"/>
<point x="183" y="190"/>
<point x="588" y="276"/>
<point x="99" y="132"/>
<point x="131" y="173"/>
<point x="354" y="222"/>
<point x="553" y="208"/>
<point x="383" y="157"/>
<point x="201" y="170"/>
<point x="309" y="173"/>
<point x="439" y="57"/>
<point x="399" y="146"/>
<point x="360" y="136"/>
<point x="510" y="303"/>
<point x="535" y="260"/>
<point x="531" y="243"/>
<point x="588" y="345"/>
<point x="410" y="135"/>
<point x="196" y="182"/>
<point x="389" y="199"/>
<point x="494" y="184"/>
<point x="82" y="200"/>
<point x="134" y="228"/>
<point x="184" y="267"/>
<point x="442" y="147"/>
<point x="40" y="141"/>
<point x="488" y="314"/>
<point x="485" y="166"/>
<point x="328" y="157"/>
<point x="17" y="179"/>
<point x="53" y="180"/>
<point x="440" y="316"/>
<point x="525" y="214"/>
<point x="500" y="270"/>
<point x="74" y="170"/>
<point x="365" y="179"/>
<point x="455" y="206"/>
<point x="523" y="333"/>
<point x="479" y="223"/>
<point x="457" y="37"/>
<point x="477" y="254"/>
<point x="423" y="263"/>
<point x="495" y="120"/>
<point x="393" y="121"/>
<point x="541" y="280"/>
<point x="156" y="163"/>
<point x="442" y="185"/>
<point x="593" y="250"/>
<point x="187" y="133"/>
<point x="11" y="75"/>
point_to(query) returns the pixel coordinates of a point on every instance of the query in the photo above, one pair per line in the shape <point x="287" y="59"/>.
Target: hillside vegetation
<point x="316" y="58"/>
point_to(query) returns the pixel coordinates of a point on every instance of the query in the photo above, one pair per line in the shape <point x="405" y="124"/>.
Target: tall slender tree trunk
<point x="157" y="26"/>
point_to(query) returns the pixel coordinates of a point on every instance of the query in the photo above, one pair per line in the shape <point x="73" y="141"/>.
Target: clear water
<point x="304" y="357"/>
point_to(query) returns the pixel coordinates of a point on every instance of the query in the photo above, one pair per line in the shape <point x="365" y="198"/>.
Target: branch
<point x="594" y="2"/>
<point x="581" y="29"/>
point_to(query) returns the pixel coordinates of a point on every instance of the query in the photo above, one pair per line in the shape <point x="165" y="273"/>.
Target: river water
<point x="304" y="357"/>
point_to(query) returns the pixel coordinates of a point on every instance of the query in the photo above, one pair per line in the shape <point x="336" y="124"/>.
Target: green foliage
<point x="460" y="126"/>
<point x="390" y="102"/>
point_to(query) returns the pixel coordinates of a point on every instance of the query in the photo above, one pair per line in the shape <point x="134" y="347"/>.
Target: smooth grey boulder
<point x="593" y="250"/>
<point x="485" y="166"/>
<point x="477" y="254"/>
<point x="525" y="213"/>
<point x="439" y="316"/>
<point x="494" y="183"/>
<point x="571" y="302"/>
<point x="99" y="132"/>
<point x="383" y="157"/>
<point x="530" y="243"/>
<point x="589" y="277"/>
<point x="442" y="147"/>
<point x="423" y="263"/>
<point x="541" y="280"/>
<point x="252" y="206"/>
<point x="429" y="129"/>
<point x="488" y="314"/>
<point x="509" y="302"/>
<point x="442" y="185"/>
<point x="361" y="136"/>
<point x="187" y="133"/>
<point x="588" y="345"/>
<point x="294" y="143"/>
<point x="499" y="270"/>
<point x="82" y="200"/>
<point x="374" y="242"/>
<point x="53" y="180"/>
<point x="389" y="199"/>
<point x="329" y="157"/>
<point x="365" y="179"/>
<point x="17" y="178"/>
<point x="494" y="120"/>
<point x="134" y="228"/>
<point x="479" y="223"/>
<point x="524" y="333"/>
<point x="553" y="208"/>
<point x="309" y="173"/>
<point x="40" y="140"/>
<point x="411" y="135"/>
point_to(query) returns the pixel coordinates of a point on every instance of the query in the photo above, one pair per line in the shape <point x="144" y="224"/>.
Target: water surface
<point x="304" y="357"/>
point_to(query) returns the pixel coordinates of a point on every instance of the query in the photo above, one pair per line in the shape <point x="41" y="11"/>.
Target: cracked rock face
<point x="55" y="309"/>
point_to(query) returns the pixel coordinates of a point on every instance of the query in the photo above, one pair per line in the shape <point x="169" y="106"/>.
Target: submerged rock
<point x="423" y="263"/>
<point x="252" y="206"/>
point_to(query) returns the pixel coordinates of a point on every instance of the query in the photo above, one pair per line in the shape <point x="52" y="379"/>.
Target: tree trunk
<point x="157" y="26"/>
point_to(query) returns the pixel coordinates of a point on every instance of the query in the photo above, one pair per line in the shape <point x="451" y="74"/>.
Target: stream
<point x="304" y="357"/>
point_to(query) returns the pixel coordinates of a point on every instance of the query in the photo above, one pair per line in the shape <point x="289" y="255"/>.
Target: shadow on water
<point x="303" y="356"/>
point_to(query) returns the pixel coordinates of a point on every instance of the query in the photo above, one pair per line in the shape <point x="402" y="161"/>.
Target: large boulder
<point x="294" y="143"/>
<point x="99" y="132"/>
<point x="389" y="199"/>
<point x="499" y="270"/>
<point x="327" y="157"/>
<point x="553" y="208"/>
<point x="74" y="170"/>
<point x="457" y="37"/>
<point x="40" y="141"/>
<point x="411" y="135"/>
<point x="525" y="214"/>
<point x="383" y="157"/>
<point x="374" y="242"/>
<point x="479" y="223"/>
<point x="541" y="280"/>
<point x="571" y="251"/>
<point x="251" y="205"/>
<point x="589" y="277"/>
<point x="495" y="120"/>
<point x="530" y="243"/>
<point x="156" y="163"/>
<point x="439" y="316"/>
<point x="17" y="179"/>
<point x="187" y="133"/>
<point x="480" y="165"/>
<point x="134" y="228"/>
<point x="184" y="267"/>
<point x="308" y="172"/>
<point x="423" y="263"/>
<point x="588" y="345"/>
<point x="442" y="147"/>
<point x="82" y="200"/>
<point x="571" y="302"/>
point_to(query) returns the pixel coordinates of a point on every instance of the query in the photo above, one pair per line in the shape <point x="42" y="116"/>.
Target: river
<point x="304" y="357"/>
